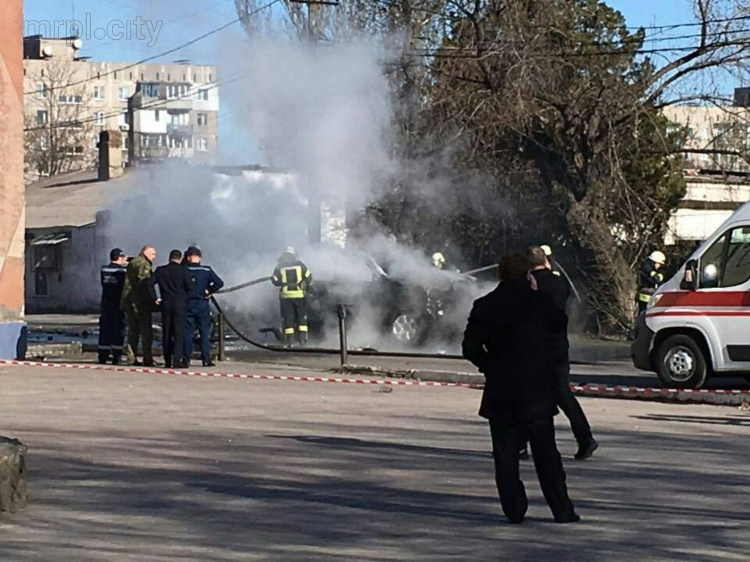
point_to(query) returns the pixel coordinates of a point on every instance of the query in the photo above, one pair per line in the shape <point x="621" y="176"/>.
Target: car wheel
<point x="681" y="363"/>
<point x="406" y="328"/>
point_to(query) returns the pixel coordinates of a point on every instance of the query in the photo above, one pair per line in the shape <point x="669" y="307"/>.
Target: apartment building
<point x="164" y="110"/>
<point x="716" y="136"/>
<point x="717" y="149"/>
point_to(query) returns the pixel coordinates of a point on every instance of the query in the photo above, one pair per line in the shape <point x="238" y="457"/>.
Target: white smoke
<point x="322" y="117"/>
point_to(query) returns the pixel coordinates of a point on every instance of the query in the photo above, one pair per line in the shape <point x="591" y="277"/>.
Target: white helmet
<point x="438" y="259"/>
<point x="290" y="250"/>
<point x="547" y="250"/>
<point x="658" y="257"/>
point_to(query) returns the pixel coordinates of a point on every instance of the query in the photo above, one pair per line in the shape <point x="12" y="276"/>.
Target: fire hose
<point x="320" y="350"/>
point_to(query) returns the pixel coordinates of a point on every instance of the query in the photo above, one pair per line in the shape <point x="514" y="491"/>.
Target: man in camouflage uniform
<point x="137" y="303"/>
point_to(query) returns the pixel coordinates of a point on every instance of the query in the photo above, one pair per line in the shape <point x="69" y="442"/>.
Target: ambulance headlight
<point x="652" y="303"/>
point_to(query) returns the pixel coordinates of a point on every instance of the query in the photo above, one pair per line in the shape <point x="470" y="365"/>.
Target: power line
<point x="681" y="25"/>
<point x="152" y="105"/>
<point x="169" y="52"/>
<point x="171" y="22"/>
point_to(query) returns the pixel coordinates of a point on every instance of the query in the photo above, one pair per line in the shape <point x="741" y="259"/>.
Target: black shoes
<point x="209" y="364"/>
<point x="587" y="450"/>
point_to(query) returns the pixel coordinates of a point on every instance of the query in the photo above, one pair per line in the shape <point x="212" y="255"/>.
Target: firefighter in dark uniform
<point x="206" y="283"/>
<point x="111" y="317"/>
<point x="558" y="288"/>
<point x="507" y="338"/>
<point x="649" y="279"/>
<point x="294" y="279"/>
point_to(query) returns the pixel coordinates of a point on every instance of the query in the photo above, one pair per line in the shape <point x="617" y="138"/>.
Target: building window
<point x="178" y="118"/>
<point x="41" y="90"/>
<point x="150" y="90"/>
<point x="202" y="145"/>
<point x="70" y="99"/>
<point x="42" y="117"/>
<point x="98" y="92"/>
<point x="157" y="76"/>
<point x="123" y="94"/>
<point x="202" y="119"/>
<point x="157" y="115"/>
<point x="100" y="119"/>
<point x="177" y="91"/>
<point x="210" y="77"/>
<point x="122" y="119"/>
<point x="203" y="94"/>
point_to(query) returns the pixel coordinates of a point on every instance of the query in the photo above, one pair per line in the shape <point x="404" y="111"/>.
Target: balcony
<point x="180" y="130"/>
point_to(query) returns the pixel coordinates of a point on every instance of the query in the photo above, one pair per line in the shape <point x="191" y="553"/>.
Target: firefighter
<point x="294" y="280"/>
<point x="438" y="260"/>
<point x="550" y="260"/>
<point x="111" y="318"/>
<point x="206" y="283"/>
<point x="138" y="306"/>
<point x="649" y="278"/>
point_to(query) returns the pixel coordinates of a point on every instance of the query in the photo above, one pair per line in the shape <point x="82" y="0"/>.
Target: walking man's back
<point x="507" y="337"/>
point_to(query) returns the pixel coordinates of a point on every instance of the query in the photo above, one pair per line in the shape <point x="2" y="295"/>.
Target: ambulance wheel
<point x="681" y="363"/>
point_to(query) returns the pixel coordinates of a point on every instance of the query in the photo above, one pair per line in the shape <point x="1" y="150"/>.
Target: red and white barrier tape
<point x="156" y="371"/>
<point x="586" y="389"/>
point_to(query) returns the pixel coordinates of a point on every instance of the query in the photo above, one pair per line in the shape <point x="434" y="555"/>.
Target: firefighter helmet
<point x="547" y="250"/>
<point x="658" y="257"/>
<point x="438" y="260"/>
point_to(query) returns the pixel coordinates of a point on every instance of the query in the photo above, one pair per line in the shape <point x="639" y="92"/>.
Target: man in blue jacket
<point x="206" y="283"/>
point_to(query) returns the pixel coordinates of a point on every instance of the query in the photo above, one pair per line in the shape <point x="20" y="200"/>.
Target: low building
<point x="65" y="244"/>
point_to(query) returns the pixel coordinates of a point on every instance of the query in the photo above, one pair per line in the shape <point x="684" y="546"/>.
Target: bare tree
<point x="59" y="130"/>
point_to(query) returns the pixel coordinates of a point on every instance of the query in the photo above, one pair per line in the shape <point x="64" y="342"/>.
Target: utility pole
<point x="314" y="210"/>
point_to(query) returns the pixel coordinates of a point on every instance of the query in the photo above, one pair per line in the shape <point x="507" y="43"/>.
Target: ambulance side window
<point x="737" y="262"/>
<point x="710" y="264"/>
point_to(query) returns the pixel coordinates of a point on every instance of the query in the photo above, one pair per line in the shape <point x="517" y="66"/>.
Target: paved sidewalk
<point x="145" y="467"/>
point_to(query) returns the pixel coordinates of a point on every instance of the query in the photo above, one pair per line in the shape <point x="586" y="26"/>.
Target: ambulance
<point x="697" y="325"/>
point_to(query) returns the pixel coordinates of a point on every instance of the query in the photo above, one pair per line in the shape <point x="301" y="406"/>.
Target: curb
<point x="716" y="397"/>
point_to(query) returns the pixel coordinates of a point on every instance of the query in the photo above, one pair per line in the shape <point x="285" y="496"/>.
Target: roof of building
<point x="71" y="199"/>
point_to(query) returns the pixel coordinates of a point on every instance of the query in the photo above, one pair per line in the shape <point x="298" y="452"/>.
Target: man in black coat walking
<point x="559" y="290"/>
<point x="175" y="283"/>
<point x="507" y="338"/>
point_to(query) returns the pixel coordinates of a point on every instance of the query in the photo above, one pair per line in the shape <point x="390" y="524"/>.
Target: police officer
<point x="206" y="283"/>
<point x="649" y="279"/>
<point x="111" y="317"/>
<point x="294" y="279"/>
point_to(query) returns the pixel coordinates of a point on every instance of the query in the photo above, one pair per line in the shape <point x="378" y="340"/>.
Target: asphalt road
<point x="162" y="468"/>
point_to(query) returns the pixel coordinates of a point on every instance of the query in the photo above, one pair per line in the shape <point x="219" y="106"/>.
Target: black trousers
<point x="173" y="327"/>
<point x="570" y="406"/>
<point x="111" y="333"/>
<point x="294" y="318"/>
<point x="547" y="461"/>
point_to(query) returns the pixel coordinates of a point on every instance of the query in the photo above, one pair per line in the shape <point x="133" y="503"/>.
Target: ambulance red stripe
<point x="703" y="298"/>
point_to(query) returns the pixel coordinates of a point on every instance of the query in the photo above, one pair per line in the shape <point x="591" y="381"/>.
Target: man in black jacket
<point x="175" y="283"/>
<point x="557" y="287"/>
<point x="507" y="337"/>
